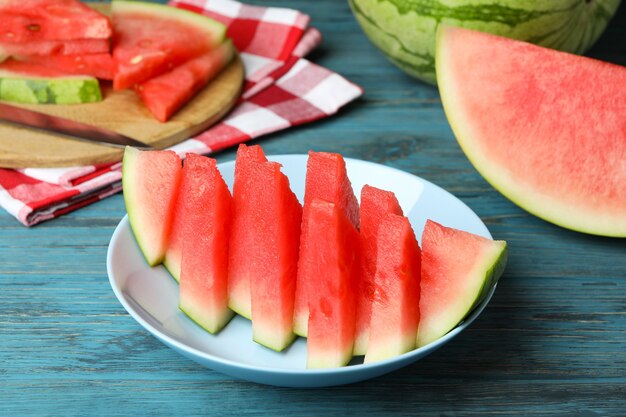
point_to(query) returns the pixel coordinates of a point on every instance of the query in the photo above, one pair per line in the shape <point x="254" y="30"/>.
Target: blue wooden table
<point x="551" y="342"/>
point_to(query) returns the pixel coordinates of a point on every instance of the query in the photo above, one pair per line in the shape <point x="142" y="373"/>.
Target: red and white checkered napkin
<point x="282" y="89"/>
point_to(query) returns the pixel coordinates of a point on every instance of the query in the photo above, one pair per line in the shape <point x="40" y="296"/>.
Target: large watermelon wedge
<point x="404" y="30"/>
<point x="545" y="128"/>
<point x="150" y="39"/>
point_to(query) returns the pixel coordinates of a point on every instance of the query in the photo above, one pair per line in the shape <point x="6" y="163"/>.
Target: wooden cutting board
<point x="123" y="112"/>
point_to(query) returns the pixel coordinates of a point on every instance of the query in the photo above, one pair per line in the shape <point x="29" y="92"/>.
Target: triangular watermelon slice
<point x="55" y="47"/>
<point x="151" y="182"/>
<point x="150" y="39"/>
<point x="40" y="20"/>
<point x="97" y="65"/>
<point x="326" y="179"/>
<point x="458" y="268"/>
<point x="165" y="94"/>
<point x="205" y="203"/>
<point x="547" y="129"/>
<point x="375" y="205"/>
<point x="395" y="306"/>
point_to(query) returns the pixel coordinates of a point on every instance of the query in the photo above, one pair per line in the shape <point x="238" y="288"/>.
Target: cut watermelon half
<point x="165" y="94"/>
<point x="150" y="39"/>
<point x="96" y="65"/>
<point x="151" y="181"/>
<point x="334" y="258"/>
<point x="457" y="270"/>
<point x="55" y="47"/>
<point x="206" y="206"/>
<point x="37" y="84"/>
<point x="375" y="205"/>
<point x="242" y="240"/>
<point x="274" y="221"/>
<point x="36" y="20"/>
<point x="395" y="306"/>
<point x="547" y="129"/>
<point x="326" y="179"/>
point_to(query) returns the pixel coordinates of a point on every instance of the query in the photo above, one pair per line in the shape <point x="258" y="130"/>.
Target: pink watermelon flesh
<point x="274" y="217"/>
<point x="545" y="128"/>
<point x="151" y="182"/>
<point x="151" y="39"/>
<point x="395" y="306"/>
<point x="37" y="20"/>
<point x="375" y="205"/>
<point x="457" y="269"/>
<point x="96" y="65"/>
<point x="165" y="94"/>
<point x="55" y="47"/>
<point x="326" y="179"/>
<point x="242" y="239"/>
<point x="206" y="205"/>
<point x="334" y="258"/>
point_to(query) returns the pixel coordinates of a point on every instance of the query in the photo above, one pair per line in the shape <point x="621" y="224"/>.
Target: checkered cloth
<point x="281" y="89"/>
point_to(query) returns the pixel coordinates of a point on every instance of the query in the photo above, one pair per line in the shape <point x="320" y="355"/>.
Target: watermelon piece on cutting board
<point x="55" y="47"/>
<point x="243" y="237"/>
<point x="547" y="129"/>
<point x="39" y="20"/>
<point x="165" y="94"/>
<point x="395" y="304"/>
<point x="95" y="65"/>
<point x="151" y="182"/>
<point x="205" y="203"/>
<point x="375" y="205"/>
<point x="457" y="269"/>
<point x="326" y="179"/>
<point x="273" y="218"/>
<point x="151" y="39"/>
<point x="38" y="84"/>
<point x="333" y="257"/>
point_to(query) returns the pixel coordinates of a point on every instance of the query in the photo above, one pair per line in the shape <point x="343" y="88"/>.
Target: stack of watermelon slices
<point x="164" y="53"/>
<point x="305" y="270"/>
<point x="45" y="58"/>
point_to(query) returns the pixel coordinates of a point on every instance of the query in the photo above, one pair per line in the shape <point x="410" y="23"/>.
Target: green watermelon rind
<point x="545" y="207"/>
<point x="20" y="88"/>
<point x="200" y="22"/>
<point x="405" y="30"/>
<point x="269" y="339"/>
<point x="487" y="271"/>
<point x="212" y="325"/>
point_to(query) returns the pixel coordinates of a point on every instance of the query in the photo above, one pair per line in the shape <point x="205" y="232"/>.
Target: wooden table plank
<point x="551" y="342"/>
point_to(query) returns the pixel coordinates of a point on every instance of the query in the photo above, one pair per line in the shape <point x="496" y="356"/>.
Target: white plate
<point x="150" y="295"/>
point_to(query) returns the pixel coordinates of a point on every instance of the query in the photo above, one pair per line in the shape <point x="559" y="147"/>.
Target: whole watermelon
<point x="405" y="30"/>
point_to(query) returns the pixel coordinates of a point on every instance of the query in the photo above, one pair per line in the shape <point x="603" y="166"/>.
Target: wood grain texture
<point x="552" y="342"/>
<point x="120" y="111"/>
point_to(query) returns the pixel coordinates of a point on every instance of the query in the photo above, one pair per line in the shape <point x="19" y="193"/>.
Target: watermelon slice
<point x="36" y="20"/>
<point x="457" y="269"/>
<point x="334" y="258"/>
<point x="37" y="84"/>
<point x="166" y="93"/>
<point x="174" y="252"/>
<point x="547" y="129"/>
<point x="326" y="179"/>
<point x="96" y="65"/>
<point x="56" y="47"/>
<point x="206" y="206"/>
<point x="242" y="238"/>
<point x="272" y="257"/>
<point x="395" y="308"/>
<point x="151" y="180"/>
<point x="150" y="39"/>
<point x="375" y="205"/>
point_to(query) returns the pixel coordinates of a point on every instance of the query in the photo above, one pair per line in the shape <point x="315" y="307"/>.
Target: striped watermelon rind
<point x="21" y="88"/>
<point x="404" y="30"/>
